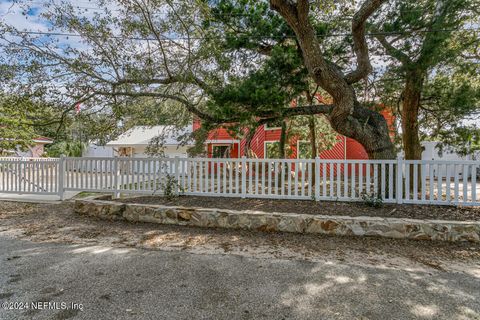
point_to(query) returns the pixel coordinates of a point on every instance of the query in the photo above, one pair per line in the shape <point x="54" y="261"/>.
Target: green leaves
<point x="67" y="148"/>
<point x="245" y="24"/>
<point x="264" y="91"/>
<point x="429" y="40"/>
<point x="424" y="30"/>
<point x="449" y="101"/>
<point x="16" y="131"/>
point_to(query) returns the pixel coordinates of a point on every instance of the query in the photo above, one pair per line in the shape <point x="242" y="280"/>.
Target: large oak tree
<point x="347" y="114"/>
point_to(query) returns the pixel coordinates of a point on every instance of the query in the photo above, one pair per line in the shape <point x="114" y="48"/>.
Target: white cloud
<point x="27" y="16"/>
<point x="13" y="14"/>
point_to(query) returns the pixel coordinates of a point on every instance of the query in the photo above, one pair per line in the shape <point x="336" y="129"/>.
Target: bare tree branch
<point x="359" y="40"/>
<point x="190" y="106"/>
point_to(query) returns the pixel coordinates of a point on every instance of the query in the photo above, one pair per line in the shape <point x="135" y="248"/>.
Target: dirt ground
<point x="58" y="223"/>
<point x="325" y="208"/>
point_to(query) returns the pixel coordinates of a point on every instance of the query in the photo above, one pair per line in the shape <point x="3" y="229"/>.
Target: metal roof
<point x="43" y="140"/>
<point x="142" y="135"/>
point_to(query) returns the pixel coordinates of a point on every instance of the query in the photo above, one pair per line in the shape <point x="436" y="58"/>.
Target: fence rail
<point x="394" y="181"/>
<point x="29" y="159"/>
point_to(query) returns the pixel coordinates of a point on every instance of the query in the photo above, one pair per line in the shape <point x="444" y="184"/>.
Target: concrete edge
<point x="399" y="228"/>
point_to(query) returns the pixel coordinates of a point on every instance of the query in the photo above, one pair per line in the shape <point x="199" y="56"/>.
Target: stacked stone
<point x="283" y="222"/>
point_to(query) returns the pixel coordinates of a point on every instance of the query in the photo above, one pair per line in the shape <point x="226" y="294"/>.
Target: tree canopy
<point x="16" y="130"/>
<point x="429" y="43"/>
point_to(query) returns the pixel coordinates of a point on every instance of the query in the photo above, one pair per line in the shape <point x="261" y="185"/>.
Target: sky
<point x="12" y="14"/>
<point x="28" y="18"/>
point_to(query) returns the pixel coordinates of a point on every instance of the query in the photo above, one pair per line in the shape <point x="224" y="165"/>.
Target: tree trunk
<point x="248" y="142"/>
<point x="311" y="128"/>
<point x="281" y="148"/>
<point x="370" y="129"/>
<point x="313" y="136"/>
<point x="283" y="141"/>
<point x="410" y="106"/>
<point x="313" y="143"/>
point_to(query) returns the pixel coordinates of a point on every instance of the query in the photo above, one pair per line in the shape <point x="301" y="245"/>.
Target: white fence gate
<point x="30" y="175"/>
<point x="395" y="181"/>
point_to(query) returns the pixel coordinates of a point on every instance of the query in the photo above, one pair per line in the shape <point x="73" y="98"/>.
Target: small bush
<point x="171" y="188"/>
<point x="372" y="200"/>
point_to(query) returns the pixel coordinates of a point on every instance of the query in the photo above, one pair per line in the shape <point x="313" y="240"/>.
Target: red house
<point x="220" y="143"/>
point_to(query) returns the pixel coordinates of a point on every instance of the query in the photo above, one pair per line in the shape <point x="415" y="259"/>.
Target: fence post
<point x="116" y="193"/>
<point x="61" y="177"/>
<point x="399" y="181"/>
<point x="317" y="178"/>
<point x="177" y="174"/>
<point x="244" y="176"/>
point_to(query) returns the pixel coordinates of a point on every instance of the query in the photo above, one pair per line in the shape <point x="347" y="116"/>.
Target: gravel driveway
<point x="141" y="271"/>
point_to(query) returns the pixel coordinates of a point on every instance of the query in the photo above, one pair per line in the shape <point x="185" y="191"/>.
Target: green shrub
<point x="372" y="200"/>
<point x="171" y="188"/>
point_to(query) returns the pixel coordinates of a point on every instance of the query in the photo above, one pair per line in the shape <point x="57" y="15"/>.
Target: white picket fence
<point x="29" y="175"/>
<point x="394" y="181"/>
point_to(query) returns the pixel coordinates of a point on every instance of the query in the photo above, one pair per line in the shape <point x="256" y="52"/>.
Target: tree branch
<point x="303" y="7"/>
<point x="189" y="78"/>
<point x="359" y="40"/>
<point x="392" y="51"/>
<point x="286" y="9"/>
<point x="299" y="111"/>
<point x="188" y="105"/>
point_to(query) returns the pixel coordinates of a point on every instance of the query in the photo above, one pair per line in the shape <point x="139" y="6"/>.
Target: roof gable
<point x="142" y="135"/>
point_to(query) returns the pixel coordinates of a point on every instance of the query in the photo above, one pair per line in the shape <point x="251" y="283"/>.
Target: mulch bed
<point x="312" y="207"/>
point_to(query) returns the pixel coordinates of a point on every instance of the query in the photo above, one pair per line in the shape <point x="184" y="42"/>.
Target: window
<point x="272" y="150"/>
<point x="304" y="150"/>
<point x="220" y="151"/>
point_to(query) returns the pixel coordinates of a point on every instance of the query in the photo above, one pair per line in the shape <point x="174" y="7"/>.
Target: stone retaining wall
<point x="283" y="222"/>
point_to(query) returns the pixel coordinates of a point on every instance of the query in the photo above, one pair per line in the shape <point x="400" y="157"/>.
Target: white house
<point x="432" y="152"/>
<point x="94" y="150"/>
<point x="133" y="143"/>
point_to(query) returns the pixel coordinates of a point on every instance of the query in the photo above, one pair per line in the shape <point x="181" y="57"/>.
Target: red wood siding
<point x="355" y="150"/>
<point x="352" y="149"/>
